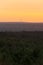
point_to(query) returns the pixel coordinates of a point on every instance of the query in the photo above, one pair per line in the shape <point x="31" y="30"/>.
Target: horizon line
<point x="19" y="22"/>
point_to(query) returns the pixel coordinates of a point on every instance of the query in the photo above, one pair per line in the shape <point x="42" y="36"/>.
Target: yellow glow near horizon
<point x="21" y="10"/>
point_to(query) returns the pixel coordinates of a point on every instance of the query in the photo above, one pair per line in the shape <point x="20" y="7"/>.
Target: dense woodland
<point x="21" y="48"/>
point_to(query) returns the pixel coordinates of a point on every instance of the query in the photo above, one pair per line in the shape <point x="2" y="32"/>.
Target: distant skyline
<point x="21" y="11"/>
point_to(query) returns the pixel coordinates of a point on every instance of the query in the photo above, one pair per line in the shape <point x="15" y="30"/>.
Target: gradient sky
<point x="21" y="10"/>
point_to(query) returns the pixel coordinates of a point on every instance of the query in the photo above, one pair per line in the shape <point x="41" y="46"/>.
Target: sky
<point x="21" y="10"/>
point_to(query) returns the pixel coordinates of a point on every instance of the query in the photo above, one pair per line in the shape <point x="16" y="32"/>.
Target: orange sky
<point x="21" y="10"/>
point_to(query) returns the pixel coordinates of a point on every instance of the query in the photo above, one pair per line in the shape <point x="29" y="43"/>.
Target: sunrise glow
<point x="21" y="10"/>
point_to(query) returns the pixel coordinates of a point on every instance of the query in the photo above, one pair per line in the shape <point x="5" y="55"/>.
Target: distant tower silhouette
<point x="21" y="20"/>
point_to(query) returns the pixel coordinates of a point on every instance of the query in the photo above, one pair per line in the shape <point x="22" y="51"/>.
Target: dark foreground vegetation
<point x="21" y="48"/>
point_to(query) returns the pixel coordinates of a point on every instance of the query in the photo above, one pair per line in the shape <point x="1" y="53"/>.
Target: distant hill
<point x="21" y="26"/>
